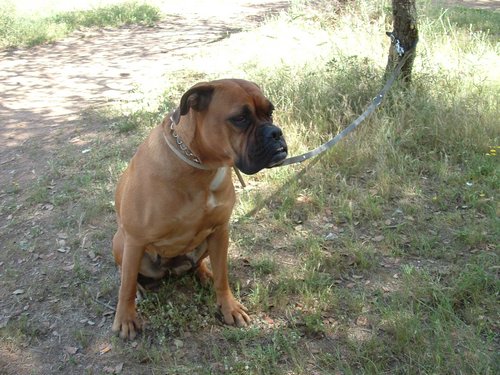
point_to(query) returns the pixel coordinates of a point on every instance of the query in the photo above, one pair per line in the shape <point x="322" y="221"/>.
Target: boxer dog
<point x="174" y="201"/>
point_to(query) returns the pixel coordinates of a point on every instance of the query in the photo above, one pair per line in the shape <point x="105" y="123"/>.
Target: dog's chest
<point x="199" y="219"/>
<point x="213" y="198"/>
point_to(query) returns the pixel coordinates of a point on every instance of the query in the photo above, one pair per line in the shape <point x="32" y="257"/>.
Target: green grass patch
<point x="473" y="19"/>
<point x="29" y="31"/>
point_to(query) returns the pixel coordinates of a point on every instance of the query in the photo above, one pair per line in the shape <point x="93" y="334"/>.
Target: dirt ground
<point x="43" y="92"/>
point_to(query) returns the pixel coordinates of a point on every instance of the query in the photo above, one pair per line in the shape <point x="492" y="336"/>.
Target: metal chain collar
<point x="182" y="150"/>
<point x="186" y="155"/>
<point x="182" y="145"/>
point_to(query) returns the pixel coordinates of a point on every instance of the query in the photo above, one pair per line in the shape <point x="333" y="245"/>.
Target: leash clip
<point x="397" y="44"/>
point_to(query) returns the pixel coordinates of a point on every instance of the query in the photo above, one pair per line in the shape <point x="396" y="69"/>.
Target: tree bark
<point x="404" y="14"/>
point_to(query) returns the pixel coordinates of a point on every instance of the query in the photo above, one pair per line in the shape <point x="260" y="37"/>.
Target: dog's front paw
<point x="127" y="323"/>
<point x="234" y="312"/>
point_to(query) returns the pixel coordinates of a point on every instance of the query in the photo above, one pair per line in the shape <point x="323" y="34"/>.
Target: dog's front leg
<point x="233" y="311"/>
<point x="126" y="320"/>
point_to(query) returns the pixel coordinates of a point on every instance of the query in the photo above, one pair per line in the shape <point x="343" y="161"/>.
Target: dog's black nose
<point x="272" y="132"/>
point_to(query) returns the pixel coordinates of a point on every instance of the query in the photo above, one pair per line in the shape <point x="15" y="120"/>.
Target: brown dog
<point x="174" y="201"/>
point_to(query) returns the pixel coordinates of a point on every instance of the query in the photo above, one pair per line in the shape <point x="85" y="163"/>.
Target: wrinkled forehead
<point x="239" y="96"/>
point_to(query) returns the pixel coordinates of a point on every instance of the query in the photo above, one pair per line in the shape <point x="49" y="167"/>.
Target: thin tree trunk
<point x="404" y="14"/>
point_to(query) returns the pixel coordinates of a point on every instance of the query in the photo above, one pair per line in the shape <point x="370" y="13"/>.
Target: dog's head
<point x="233" y="125"/>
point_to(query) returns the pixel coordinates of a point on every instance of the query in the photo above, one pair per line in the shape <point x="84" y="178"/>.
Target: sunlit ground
<point x="217" y="8"/>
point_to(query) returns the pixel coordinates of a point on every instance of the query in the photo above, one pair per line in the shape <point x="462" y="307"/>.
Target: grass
<point x="31" y="30"/>
<point x="473" y="20"/>
<point x="381" y="258"/>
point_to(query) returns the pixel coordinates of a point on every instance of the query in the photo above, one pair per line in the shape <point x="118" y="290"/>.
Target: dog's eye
<point x="241" y="121"/>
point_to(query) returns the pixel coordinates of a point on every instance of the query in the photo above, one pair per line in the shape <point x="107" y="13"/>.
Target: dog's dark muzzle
<point x="268" y="150"/>
<point x="274" y="137"/>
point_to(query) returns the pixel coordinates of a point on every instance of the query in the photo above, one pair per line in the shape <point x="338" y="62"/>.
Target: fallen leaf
<point x="104" y="349"/>
<point x="268" y="320"/>
<point x="101" y="323"/>
<point x="331" y="236"/>
<point x="70" y="349"/>
<point x="18" y="291"/>
<point x="217" y="368"/>
<point x="69" y="268"/>
<point x="362" y="321"/>
<point x="109" y="370"/>
<point x="178" y="343"/>
<point x="378" y="238"/>
<point x="304" y="199"/>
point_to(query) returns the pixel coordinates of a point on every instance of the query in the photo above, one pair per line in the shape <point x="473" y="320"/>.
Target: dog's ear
<point x="197" y="97"/>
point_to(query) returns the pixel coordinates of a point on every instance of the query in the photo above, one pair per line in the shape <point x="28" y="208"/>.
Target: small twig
<point x="7" y="161"/>
<point x="105" y="305"/>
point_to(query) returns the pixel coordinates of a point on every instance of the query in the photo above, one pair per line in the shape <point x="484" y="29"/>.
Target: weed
<point x="265" y="266"/>
<point x="83" y="338"/>
<point x="259" y="296"/>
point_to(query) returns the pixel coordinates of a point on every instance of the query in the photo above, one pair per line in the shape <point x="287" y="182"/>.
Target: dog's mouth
<point x="269" y="150"/>
<point x="278" y="157"/>
<point x="267" y="159"/>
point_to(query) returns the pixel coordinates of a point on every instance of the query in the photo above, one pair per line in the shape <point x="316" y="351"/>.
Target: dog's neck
<point x="175" y="137"/>
<point x="180" y="125"/>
